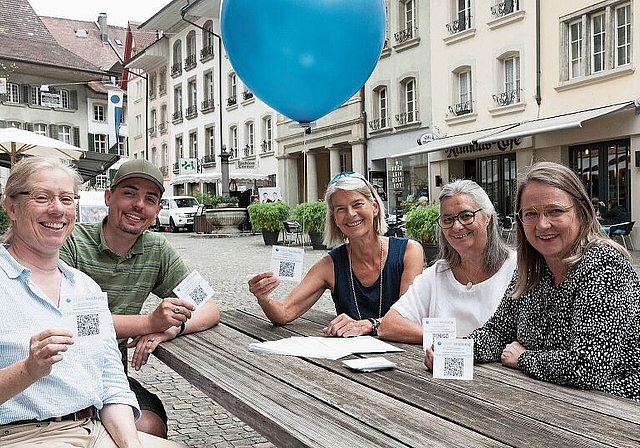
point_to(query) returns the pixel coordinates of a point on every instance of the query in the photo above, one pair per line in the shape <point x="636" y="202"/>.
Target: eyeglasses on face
<point x="353" y="174"/>
<point x="552" y="213"/>
<point x="42" y="197"/>
<point x="465" y="217"/>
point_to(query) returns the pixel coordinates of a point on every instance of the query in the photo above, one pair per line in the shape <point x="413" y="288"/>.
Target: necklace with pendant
<point x="469" y="284"/>
<point x="353" y="289"/>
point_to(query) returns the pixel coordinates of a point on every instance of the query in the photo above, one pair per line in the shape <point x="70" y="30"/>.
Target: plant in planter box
<point x="312" y="216"/>
<point x="224" y="201"/>
<point x="268" y="217"/>
<point x="422" y="224"/>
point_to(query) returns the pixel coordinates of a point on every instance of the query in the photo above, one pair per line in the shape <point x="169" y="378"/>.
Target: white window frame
<point x="193" y="144"/>
<point x="40" y="128"/>
<point x="623" y="46"/>
<point x="209" y="141"/>
<point x="382" y="102"/>
<point x="64" y="133"/>
<point x="208" y="85"/>
<point x="100" y="143"/>
<point x="410" y="92"/>
<point x="267" y="133"/>
<point x="177" y="98"/>
<point x="233" y="139"/>
<point x="192" y="88"/>
<point x="511" y="67"/>
<point x="575" y="49"/>
<point x="249" y="136"/>
<point x="465" y="87"/>
<point x="463" y="14"/>
<point x="36" y="98"/>
<point x="598" y="41"/>
<point x="13" y="93"/>
<point x="409" y="16"/>
<point x="98" y="113"/>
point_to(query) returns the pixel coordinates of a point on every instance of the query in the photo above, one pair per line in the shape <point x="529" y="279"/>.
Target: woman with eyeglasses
<point x="473" y="272"/>
<point x="571" y="314"/>
<point x="366" y="272"/>
<point x="60" y="364"/>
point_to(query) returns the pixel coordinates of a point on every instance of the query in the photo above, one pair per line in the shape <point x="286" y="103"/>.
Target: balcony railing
<point x="266" y="145"/>
<point x="162" y="89"/>
<point x="176" y="116"/>
<point x="152" y="131"/>
<point x="506" y="98"/>
<point x="407" y="117"/>
<point x="234" y="153"/>
<point x="164" y="170"/>
<point x="248" y="150"/>
<point x="465" y="107"/>
<point x="504" y="8"/>
<point x="152" y="94"/>
<point x="247" y="95"/>
<point x="378" y="123"/>
<point x="406" y="34"/>
<point x="458" y="25"/>
<point x="206" y="52"/>
<point x="176" y="167"/>
<point x="209" y="160"/>
<point x="191" y="112"/>
<point x="162" y="127"/>
<point x="190" y="62"/>
<point x="232" y="100"/>
<point x="176" y="69"/>
<point x="207" y="105"/>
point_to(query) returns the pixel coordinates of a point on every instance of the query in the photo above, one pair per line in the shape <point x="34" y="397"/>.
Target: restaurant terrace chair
<point x="292" y="233"/>
<point x="623" y="230"/>
<point x="508" y="229"/>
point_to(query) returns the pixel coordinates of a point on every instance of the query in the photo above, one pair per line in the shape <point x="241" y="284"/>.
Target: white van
<point x="178" y="212"/>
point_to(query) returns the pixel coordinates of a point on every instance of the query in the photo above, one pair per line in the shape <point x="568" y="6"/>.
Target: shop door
<point x="603" y="168"/>
<point x="497" y="175"/>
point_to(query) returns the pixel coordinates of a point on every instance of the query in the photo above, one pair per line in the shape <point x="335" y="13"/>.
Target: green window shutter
<point x="73" y="99"/>
<point x="92" y="142"/>
<point x="76" y="136"/>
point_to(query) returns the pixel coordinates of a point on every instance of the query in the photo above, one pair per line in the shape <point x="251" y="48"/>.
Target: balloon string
<point x="304" y="176"/>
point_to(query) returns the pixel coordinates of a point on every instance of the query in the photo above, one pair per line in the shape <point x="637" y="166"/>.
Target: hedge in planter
<point x="268" y="217"/>
<point x="312" y="217"/>
<point x="422" y="224"/>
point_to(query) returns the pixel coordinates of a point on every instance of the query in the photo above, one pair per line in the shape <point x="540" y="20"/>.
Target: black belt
<point x="74" y="416"/>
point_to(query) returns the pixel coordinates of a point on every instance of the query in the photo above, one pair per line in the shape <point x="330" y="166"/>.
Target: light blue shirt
<point x="91" y="372"/>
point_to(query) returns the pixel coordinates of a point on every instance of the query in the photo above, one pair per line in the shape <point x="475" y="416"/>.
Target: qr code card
<point x="437" y="328"/>
<point x="453" y="359"/>
<point x="194" y="288"/>
<point x="86" y="316"/>
<point x="286" y="262"/>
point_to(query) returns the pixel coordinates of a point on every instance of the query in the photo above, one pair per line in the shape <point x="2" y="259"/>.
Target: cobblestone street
<point x="227" y="263"/>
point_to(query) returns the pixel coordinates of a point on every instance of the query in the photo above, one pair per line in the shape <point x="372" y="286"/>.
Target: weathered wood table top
<point x="300" y="402"/>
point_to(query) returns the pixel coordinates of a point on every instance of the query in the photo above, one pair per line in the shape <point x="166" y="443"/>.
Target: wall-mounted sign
<point x="188" y="166"/>
<point x="502" y="145"/>
<point x="246" y="164"/>
<point x="50" y="99"/>
<point x="397" y="175"/>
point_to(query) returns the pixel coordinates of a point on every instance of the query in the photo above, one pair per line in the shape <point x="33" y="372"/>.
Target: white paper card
<point x="323" y="347"/>
<point x="453" y="359"/>
<point x="437" y="327"/>
<point x="286" y="262"/>
<point x="369" y="364"/>
<point x="86" y="316"/>
<point x="195" y="289"/>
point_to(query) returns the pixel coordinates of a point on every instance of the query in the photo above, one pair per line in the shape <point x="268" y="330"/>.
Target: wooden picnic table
<point x="302" y="402"/>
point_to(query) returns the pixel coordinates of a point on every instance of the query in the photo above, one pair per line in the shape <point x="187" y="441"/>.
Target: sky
<point x="118" y="11"/>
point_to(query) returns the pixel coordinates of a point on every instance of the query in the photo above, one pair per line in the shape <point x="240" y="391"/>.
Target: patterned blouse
<point x="585" y="332"/>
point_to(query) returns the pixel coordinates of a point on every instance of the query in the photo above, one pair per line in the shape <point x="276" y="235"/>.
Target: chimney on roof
<point x="102" y="24"/>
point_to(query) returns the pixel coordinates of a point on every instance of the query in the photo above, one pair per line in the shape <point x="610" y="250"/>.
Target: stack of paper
<point x="321" y="347"/>
<point x="369" y="364"/>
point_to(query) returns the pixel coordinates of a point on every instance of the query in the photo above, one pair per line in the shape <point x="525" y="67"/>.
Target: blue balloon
<point x="303" y="58"/>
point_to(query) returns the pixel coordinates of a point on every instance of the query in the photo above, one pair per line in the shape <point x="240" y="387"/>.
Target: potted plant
<point x="312" y="216"/>
<point x="268" y="217"/>
<point x="204" y="198"/>
<point x="422" y="224"/>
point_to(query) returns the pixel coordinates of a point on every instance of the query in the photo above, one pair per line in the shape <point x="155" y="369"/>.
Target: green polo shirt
<point x="151" y="265"/>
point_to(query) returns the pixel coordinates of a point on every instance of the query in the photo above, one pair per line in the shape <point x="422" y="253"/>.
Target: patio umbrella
<point x="15" y="142"/>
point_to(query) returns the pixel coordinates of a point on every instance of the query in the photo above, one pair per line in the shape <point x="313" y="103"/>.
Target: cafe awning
<point x="213" y="177"/>
<point x="558" y="123"/>
<point x="452" y="141"/>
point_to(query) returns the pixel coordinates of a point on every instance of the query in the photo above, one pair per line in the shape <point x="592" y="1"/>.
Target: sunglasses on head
<point x="354" y="174"/>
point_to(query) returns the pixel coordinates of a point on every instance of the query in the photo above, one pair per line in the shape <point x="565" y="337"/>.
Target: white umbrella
<point x="15" y="141"/>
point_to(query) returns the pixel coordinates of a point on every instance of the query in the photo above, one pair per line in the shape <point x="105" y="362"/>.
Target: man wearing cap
<point x="129" y="262"/>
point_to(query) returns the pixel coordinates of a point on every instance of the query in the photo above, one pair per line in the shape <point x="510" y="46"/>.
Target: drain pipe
<point x="538" y="94"/>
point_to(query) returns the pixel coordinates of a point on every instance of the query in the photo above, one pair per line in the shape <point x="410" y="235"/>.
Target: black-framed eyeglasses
<point x="465" y="217"/>
<point x="552" y="212"/>
<point x="42" y="197"/>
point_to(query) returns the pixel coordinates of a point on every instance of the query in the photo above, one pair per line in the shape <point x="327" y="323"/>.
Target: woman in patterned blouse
<point x="571" y="315"/>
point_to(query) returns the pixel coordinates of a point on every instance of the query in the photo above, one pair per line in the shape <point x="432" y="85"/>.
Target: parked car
<point x="177" y="212"/>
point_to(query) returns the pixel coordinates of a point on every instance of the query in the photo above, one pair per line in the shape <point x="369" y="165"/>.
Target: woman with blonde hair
<point x="366" y="272"/>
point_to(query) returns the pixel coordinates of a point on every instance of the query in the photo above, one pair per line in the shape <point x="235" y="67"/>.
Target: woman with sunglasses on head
<point x="468" y="281"/>
<point x="571" y="315"/>
<point x="366" y="272"/>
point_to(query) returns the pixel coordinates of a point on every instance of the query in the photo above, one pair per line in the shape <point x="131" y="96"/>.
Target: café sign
<point x="502" y="145"/>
